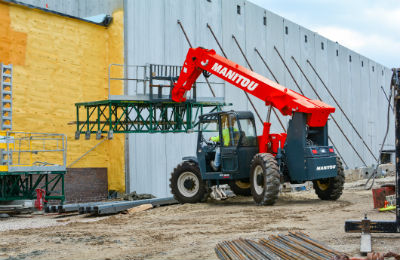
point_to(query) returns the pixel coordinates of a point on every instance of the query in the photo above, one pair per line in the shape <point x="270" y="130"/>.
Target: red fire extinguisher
<point x="40" y="198"/>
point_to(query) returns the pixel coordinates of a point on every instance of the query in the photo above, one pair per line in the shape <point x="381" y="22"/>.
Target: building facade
<point x="153" y="35"/>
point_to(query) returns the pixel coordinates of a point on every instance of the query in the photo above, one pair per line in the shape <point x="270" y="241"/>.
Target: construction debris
<point x="135" y="196"/>
<point x="295" y="245"/>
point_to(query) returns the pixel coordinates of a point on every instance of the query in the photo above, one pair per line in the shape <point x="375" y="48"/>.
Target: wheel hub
<point x="189" y="184"/>
<point x="260" y="180"/>
<point x="323" y="185"/>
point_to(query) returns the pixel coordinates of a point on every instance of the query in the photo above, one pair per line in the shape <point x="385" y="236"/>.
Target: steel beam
<point x="134" y="116"/>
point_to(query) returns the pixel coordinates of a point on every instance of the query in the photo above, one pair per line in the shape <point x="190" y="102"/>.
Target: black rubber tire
<point x="240" y="191"/>
<point x="333" y="186"/>
<point x="270" y="178"/>
<point x="182" y="168"/>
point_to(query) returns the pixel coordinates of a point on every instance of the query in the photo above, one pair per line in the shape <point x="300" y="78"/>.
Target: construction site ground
<point x="191" y="231"/>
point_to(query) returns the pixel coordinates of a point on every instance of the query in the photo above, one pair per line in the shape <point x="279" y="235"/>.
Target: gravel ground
<point x="191" y="231"/>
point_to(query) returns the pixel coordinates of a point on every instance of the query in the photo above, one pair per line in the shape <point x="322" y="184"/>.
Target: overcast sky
<point x="369" y="27"/>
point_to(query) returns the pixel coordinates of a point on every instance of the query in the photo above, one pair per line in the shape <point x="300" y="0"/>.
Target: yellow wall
<point x="59" y="61"/>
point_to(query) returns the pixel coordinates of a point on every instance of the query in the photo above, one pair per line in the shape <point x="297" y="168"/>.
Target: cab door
<point x="229" y="132"/>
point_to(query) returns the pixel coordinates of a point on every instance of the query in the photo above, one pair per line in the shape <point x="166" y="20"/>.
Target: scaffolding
<point x="30" y="161"/>
<point x="146" y="106"/>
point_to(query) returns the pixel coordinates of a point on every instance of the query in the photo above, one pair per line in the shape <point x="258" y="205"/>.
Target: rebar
<point x="295" y="245"/>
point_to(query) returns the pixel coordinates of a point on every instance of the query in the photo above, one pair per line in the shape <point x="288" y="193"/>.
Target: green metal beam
<point x="137" y="116"/>
<point x="22" y="185"/>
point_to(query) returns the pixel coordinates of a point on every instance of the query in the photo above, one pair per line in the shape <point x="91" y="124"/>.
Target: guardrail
<point x="32" y="152"/>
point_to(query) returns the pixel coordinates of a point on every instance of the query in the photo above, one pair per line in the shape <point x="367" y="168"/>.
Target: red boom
<point x="285" y="100"/>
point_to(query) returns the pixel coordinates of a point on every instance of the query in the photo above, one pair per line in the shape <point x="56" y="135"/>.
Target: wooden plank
<point x="140" y="208"/>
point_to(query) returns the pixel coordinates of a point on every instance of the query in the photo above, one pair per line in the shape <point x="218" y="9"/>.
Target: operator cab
<point x="229" y="140"/>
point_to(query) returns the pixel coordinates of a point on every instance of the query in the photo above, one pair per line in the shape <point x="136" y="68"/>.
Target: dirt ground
<point x="191" y="231"/>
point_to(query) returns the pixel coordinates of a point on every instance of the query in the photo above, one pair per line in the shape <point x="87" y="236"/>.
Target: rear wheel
<point x="241" y="188"/>
<point x="331" y="188"/>
<point x="264" y="179"/>
<point x="186" y="183"/>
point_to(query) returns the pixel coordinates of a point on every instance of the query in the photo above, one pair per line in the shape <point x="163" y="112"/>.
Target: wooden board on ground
<point x="139" y="208"/>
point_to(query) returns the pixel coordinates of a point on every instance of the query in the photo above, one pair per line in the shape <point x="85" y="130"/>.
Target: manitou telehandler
<point x="253" y="164"/>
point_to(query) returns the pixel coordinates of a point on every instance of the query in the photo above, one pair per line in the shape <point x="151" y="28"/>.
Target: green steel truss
<point x="23" y="185"/>
<point x="133" y="116"/>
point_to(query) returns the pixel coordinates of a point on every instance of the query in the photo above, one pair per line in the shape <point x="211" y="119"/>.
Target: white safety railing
<point x="26" y="152"/>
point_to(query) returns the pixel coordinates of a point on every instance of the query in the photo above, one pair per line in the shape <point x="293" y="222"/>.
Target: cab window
<point x="248" y="133"/>
<point x="229" y="130"/>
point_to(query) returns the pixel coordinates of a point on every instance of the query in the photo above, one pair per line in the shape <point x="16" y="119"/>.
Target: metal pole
<point x="266" y="65"/>
<point x="188" y="41"/>
<point x="215" y="38"/>
<point x="333" y="118"/>
<point x="337" y="103"/>
<point x="384" y="92"/>
<point x="290" y="73"/>
<point x="396" y="86"/>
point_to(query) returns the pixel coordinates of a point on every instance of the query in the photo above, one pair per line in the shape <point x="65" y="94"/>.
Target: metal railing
<point x="27" y="152"/>
<point x="147" y="82"/>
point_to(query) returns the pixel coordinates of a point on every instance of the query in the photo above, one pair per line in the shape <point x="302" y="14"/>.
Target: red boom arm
<point x="285" y="100"/>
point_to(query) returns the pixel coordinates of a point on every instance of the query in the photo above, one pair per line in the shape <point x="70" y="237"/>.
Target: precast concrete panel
<point x="364" y="100"/>
<point x="321" y="62"/>
<point x="356" y="93"/>
<point x="291" y="49"/>
<point x="307" y="52"/>
<point x="256" y="37"/>
<point x="275" y="38"/>
<point x="327" y="64"/>
<point x="332" y="81"/>
<point x="209" y="13"/>
<point x="372" y="127"/>
<point x="345" y="96"/>
<point x="233" y="23"/>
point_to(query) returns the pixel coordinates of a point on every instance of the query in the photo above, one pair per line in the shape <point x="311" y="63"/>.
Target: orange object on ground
<point x="379" y="195"/>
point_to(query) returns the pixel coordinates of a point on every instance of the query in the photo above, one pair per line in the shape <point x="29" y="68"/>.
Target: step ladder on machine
<point x="5" y="108"/>
<point x="6" y="96"/>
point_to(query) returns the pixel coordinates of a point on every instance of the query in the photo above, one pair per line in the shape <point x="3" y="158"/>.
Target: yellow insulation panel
<point x="59" y="61"/>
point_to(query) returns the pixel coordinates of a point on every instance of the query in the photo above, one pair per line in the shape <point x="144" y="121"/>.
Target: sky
<point x="369" y="27"/>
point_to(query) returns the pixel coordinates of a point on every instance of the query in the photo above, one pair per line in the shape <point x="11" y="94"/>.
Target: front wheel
<point x="186" y="183"/>
<point x="264" y="179"/>
<point x="331" y="188"/>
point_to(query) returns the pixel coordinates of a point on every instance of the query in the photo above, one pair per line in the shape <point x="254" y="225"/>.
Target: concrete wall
<point x="57" y="62"/>
<point x="78" y="8"/>
<point x="153" y="36"/>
